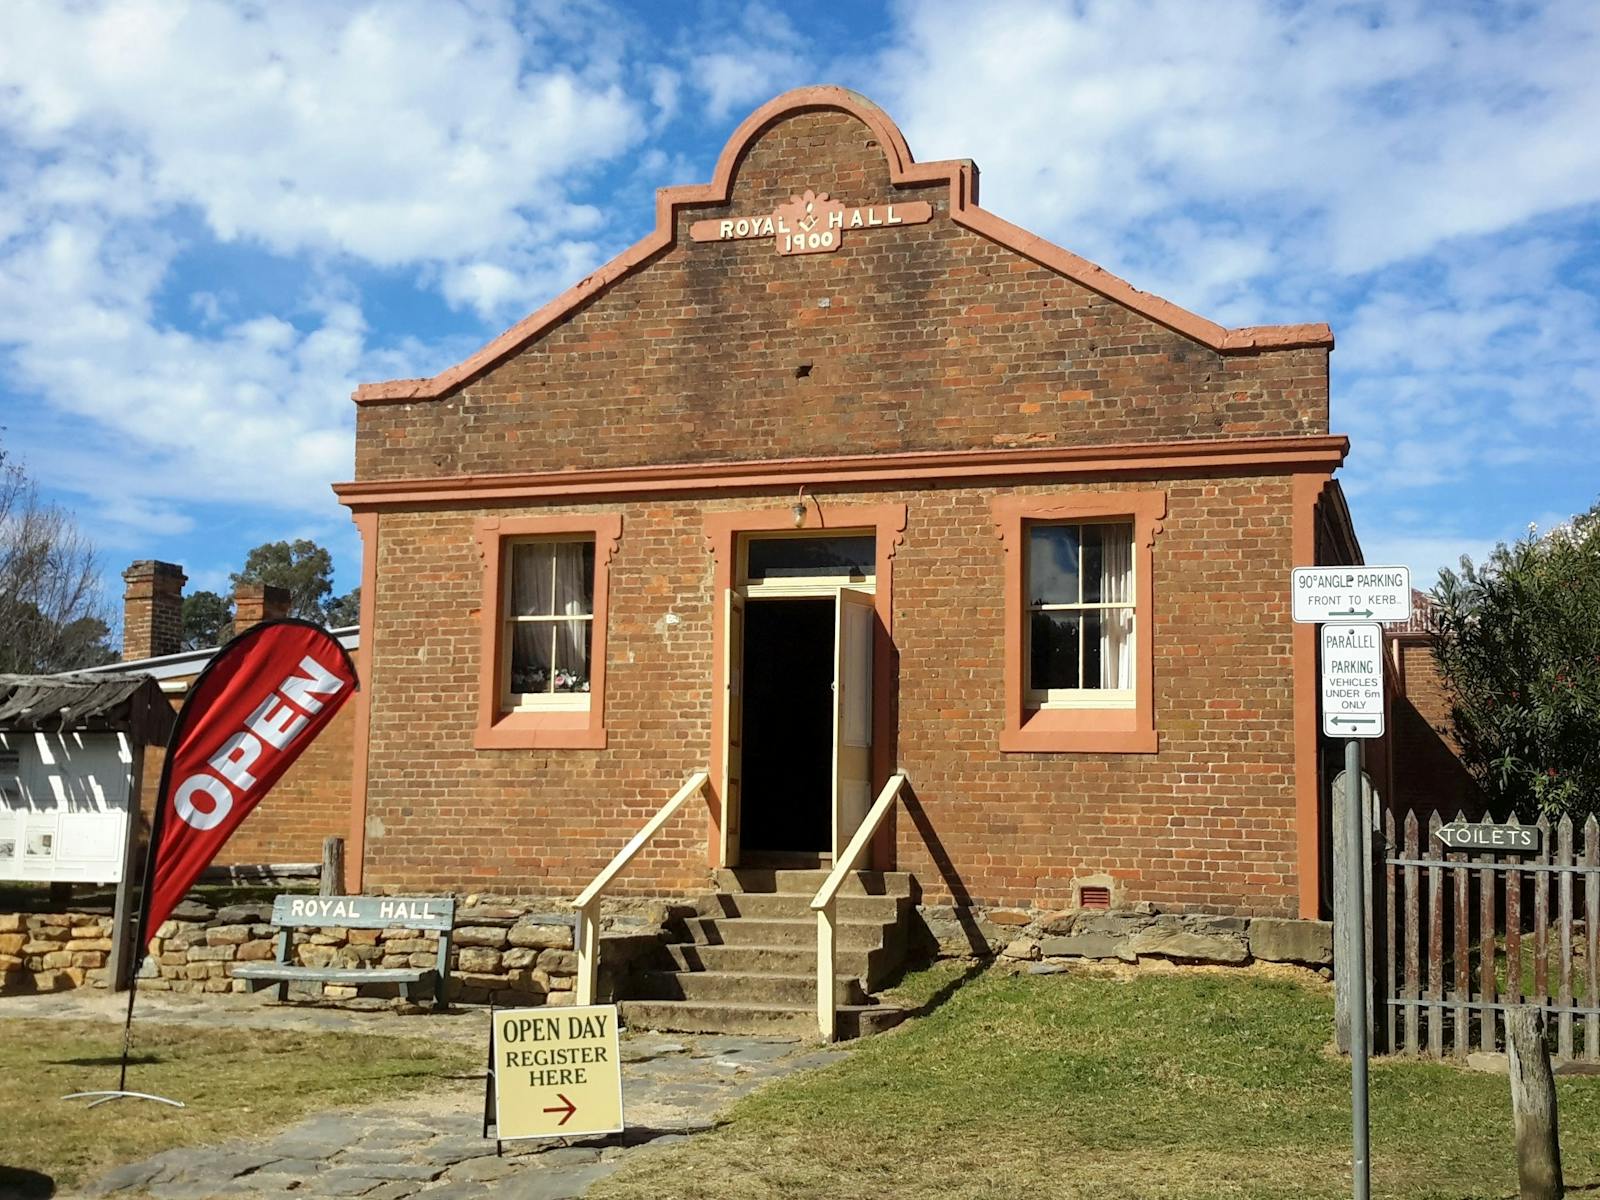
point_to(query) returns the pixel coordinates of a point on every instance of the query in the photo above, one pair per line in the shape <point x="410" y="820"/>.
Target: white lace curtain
<point x="1116" y="625"/>
<point x="551" y="581"/>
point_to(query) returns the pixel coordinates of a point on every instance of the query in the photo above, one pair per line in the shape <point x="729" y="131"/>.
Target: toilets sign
<point x="810" y="224"/>
<point x="1351" y="594"/>
<point x="1352" y="681"/>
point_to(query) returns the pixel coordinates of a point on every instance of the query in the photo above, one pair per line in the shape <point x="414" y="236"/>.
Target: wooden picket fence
<point x="1459" y="938"/>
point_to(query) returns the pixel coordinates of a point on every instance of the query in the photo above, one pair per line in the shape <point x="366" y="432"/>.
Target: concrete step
<point x="776" y="1020"/>
<point x="801" y="882"/>
<point x="731" y="987"/>
<point x="683" y="1017"/>
<point x="801" y="931"/>
<point x="872" y="965"/>
<point x="794" y="905"/>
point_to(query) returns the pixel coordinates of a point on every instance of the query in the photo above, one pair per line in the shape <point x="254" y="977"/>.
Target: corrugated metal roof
<point x="62" y="703"/>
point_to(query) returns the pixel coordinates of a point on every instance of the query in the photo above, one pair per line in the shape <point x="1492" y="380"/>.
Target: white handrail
<point x="586" y="932"/>
<point x="826" y="899"/>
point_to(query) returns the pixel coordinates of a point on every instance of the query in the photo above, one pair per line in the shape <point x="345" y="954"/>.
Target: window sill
<point x="572" y="729"/>
<point x="1080" y="731"/>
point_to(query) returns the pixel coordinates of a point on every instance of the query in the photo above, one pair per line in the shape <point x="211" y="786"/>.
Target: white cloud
<point x="1350" y="136"/>
<point x="397" y="133"/>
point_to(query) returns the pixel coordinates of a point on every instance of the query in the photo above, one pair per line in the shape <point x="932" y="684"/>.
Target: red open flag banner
<point x="262" y="700"/>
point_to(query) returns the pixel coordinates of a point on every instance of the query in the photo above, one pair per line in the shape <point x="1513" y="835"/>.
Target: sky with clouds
<point x="217" y="218"/>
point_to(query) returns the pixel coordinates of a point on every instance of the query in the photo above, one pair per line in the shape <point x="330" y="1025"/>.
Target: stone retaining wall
<point x="1124" y="934"/>
<point x="49" y="952"/>
<point x="500" y="948"/>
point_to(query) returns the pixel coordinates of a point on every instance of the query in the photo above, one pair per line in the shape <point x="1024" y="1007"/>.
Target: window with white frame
<point x="1080" y="619"/>
<point x="549" y="617"/>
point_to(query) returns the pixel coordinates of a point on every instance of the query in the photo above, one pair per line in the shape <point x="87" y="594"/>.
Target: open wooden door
<point x="733" y="722"/>
<point x="854" y="621"/>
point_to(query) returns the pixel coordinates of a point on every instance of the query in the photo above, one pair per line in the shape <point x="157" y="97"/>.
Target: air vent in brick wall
<point x="1094" y="897"/>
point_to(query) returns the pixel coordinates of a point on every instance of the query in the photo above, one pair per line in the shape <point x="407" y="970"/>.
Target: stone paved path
<point x="429" y="1146"/>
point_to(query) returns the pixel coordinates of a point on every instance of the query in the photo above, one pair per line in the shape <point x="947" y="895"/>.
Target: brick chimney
<point x="254" y="603"/>
<point x="152" y="609"/>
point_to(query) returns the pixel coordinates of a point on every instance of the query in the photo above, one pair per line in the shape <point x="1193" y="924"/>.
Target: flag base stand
<point x="118" y="1095"/>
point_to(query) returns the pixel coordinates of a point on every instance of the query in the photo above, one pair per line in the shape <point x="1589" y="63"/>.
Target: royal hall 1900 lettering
<point x="812" y="223"/>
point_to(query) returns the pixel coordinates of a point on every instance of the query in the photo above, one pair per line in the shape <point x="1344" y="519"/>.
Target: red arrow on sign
<point x="569" y="1109"/>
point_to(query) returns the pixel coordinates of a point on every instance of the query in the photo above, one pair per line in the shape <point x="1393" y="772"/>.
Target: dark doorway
<point x="787" y="796"/>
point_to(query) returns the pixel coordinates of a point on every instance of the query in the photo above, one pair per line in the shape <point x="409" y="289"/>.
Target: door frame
<point x="887" y="522"/>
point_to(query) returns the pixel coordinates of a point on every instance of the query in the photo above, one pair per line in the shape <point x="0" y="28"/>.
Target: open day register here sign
<point x="557" y="1072"/>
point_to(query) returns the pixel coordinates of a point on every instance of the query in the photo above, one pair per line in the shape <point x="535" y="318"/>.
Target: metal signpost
<point x="1352" y="709"/>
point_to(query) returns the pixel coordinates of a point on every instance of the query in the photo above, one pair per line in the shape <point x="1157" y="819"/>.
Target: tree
<point x="1518" y="644"/>
<point x="301" y="566"/>
<point x="52" y="617"/>
<point x="346" y="610"/>
<point x="306" y="570"/>
<point x="207" y="620"/>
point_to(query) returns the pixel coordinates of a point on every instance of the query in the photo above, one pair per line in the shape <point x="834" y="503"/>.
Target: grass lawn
<point x="1091" y="1084"/>
<point x="236" y="1084"/>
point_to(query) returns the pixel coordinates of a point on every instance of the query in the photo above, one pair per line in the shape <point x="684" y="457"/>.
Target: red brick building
<point x="837" y="473"/>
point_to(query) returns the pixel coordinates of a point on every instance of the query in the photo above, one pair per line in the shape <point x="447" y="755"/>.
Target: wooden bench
<point x="434" y="914"/>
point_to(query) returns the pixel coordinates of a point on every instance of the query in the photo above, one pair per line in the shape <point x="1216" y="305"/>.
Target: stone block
<point x="339" y="991"/>
<point x="212" y="953"/>
<point x="558" y="962"/>
<point x="950" y="932"/>
<point x="491" y="936"/>
<point x="53" y="981"/>
<point x="1013" y="917"/>
<point x="173" y="958"/>
<point x="256" y="951"/>
<point x="489" y="982"/>
<point x="90" y="943"/>
<point x="533" y="983"/>
<point x="541" y="937"/>
<point x="61" y="921"/>
<point x="559" y="983"/>
<point x="218" y="984"/>
<point x="56" y="959"/>
<point x="408" y="945"/>
<point x="1023" y="949"/>
<point x="197" y="970"/>
<point x="37" y="945"/>
<point x="478" y="959"/>
<point x="93" y="929"/>
<point x="227" y="935"/>
<point x="519" y="957"/>
<point x="12" y="943"/>
<point x="313" y="956"/>
<point x="490" y="914"/>
<point x="364" y="937"/>
<point x="244" y="914"/>
<point x="193" y="910"/>
<point x="420" y="960"/>
<point x="1174" y="942"/>
<point x="12" y="923"/>
<point x="1118" y="923"/>
<point x="329" y="937"/>
<point x="561" y="999"/>
<point x="87" y="958"/>
<point x="1207" y="924"/>
<point x="1059" y="922"/>
<point x="1275" y="939"/>
<point x="1086" y="945"/>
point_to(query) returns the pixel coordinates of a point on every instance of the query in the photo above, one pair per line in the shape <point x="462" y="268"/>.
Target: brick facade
<point x="961" y="342"/>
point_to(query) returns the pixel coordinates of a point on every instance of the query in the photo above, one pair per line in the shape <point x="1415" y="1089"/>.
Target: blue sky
<point x="216" y="219"/>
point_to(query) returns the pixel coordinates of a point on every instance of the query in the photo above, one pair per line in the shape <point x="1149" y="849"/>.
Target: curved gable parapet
<point x="960" y="177"/>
